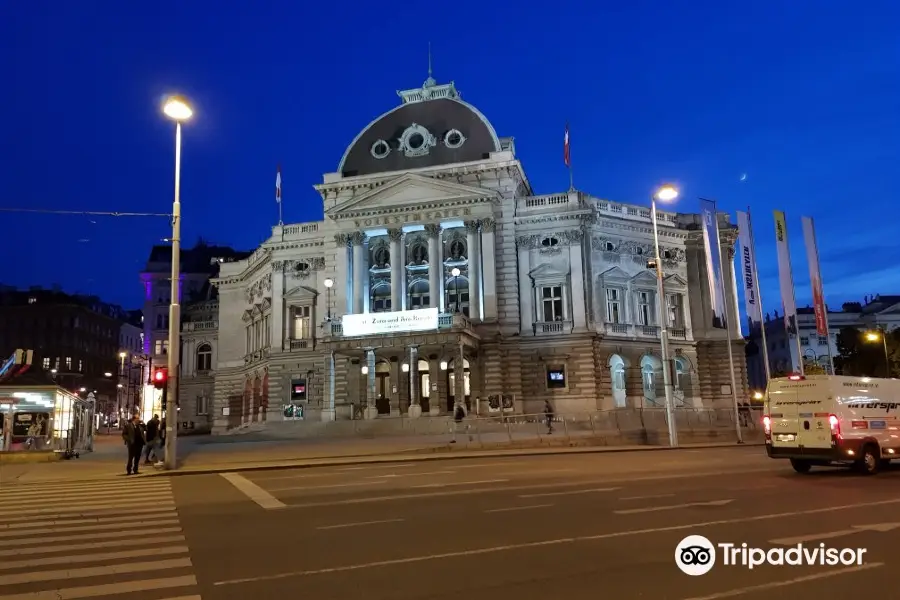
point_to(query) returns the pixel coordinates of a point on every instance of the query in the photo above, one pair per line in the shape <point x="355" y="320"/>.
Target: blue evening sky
<point x="800" y="96"/>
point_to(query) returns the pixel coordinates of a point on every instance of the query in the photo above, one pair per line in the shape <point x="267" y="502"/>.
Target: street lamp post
<point x="329" y="283"/>
<point x="666" y="193"/>
<point x="874" y="336"/>
<point x="177" y="109"/>
<point x="455" y="272"/>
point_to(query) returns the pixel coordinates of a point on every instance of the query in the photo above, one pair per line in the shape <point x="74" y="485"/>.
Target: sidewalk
<point x="198" y="456"/>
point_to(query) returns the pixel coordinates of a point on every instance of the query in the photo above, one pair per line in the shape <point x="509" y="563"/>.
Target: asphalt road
<point x="585" y="525"/>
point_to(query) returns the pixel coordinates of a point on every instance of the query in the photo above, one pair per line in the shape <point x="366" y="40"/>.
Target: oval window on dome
<point x="415" y="141"/>
<point x="380" y="149"/>
<point x="454" y="138"/>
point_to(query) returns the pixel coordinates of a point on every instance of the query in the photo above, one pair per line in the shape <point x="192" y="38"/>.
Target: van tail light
<point x="767" y="426"/>
<point x="835" y="424"/>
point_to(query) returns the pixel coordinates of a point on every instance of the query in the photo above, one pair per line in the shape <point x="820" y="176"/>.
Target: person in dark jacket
<point x="154" y="435"/>
<point x="548" y="416"/>
<point x="134" y="436"/>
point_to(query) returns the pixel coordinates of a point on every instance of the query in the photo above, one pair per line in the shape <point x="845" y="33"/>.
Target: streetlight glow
<point x="177" y="108"/>
<point x="329" y="282"/>
<point x="666" y="193"/>
<point x="455" y="272"/>
<point x="122" y="355"/>
<point x="107" y="374"/>
<point x="871" y="336"/>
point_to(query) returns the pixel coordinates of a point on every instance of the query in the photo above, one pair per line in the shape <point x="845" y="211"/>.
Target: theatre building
<point x="438" y="276"/>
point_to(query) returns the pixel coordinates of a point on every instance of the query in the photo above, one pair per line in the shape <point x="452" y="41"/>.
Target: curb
<point x="439" y="455"/>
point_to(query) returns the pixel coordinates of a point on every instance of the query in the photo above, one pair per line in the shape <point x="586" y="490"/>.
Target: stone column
<point x="435" y="266"/>
<point x="576" y="280"/>
<point x="415" y="407"/>
<point x="473" y="257"/>
<point x="404" y="285"/>
<point x="341" y="275"/>
<point x="526" y="293"/>
<point x="371" y="408"/>
<point x="395" y="236"/>
<point x="360" y="272"/>
<point x="459" y="378"/>
<point x="328" y="404"/>
<point x="278" y="318"/>
<point x="489" y="269"/>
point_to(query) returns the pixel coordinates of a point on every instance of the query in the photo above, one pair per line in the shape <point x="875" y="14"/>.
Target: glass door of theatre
<point x="383" y="388"/>
<point x="451" y="387"/>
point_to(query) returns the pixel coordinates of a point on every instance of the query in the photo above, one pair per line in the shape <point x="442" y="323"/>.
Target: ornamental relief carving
<point x="258" y="288"/>
<point x="432" y="229"/>
<point x="671" y="256"/>
<point x="301" y="268"/>
<point x="488" y="225"/>
<point x="342" y="239"/>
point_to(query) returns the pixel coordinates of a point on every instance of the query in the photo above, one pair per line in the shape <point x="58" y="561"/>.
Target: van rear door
<point x="784" y="415"/>
<point x="814" y="430"/>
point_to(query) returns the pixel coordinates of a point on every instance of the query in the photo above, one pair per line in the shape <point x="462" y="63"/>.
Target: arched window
<point x="419" y="296"/>
<point x="381" y="298"/>
<point x="651" y="367"/>
<point x="458" y="295"/>
<point x="617" y="371"/>
<point x="681" y="371"/>
<point x="424" y="379"/>
<point x="204" y="357"/>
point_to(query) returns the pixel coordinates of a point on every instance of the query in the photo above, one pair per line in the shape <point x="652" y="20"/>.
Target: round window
<point x="380" y="149"/>
<point x="638" y="250"/>
<point x="302" y="267"/>
<point x="610" y="247"/>
<point x="415" y="141"/>
<point x="454" y="138"/>
<point x="549" y="241"/>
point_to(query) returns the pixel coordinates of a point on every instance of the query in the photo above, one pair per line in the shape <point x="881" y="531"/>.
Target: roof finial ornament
<point x="430" y="82"/>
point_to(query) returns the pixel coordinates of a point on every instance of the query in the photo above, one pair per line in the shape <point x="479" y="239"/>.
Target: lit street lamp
<point x="329" y="283"/>
<point x="666" y="193"/>
<point x="455" y="272"/>
<point x="177" y="109"/>
<point x="879" y="335"/>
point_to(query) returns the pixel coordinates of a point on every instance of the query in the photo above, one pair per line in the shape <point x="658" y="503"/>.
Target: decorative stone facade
<point x="538" y="297"/>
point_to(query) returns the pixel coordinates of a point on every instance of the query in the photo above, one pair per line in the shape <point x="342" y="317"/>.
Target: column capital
<point x="471" y="226"/>
<point x="395" y="234"/>
<point x="342" y="239"/>
<point x="357" y="238"/>
<point x="433" y="229"/>
<point x="488" y="225"/>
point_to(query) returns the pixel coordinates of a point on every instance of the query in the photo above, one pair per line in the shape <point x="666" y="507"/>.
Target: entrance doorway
<point x="424" y="386"/>
<point x="451" y="387"/>
<point x="383" y="388"/>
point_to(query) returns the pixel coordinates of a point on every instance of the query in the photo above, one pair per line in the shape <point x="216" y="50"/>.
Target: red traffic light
<point x="160" y="376"/>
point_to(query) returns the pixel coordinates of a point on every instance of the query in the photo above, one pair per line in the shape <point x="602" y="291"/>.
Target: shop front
<point x="44" y="418"/>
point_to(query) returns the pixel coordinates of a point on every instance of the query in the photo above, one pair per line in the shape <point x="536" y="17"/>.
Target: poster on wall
<point x="30" y="424"/>
<point x="298" y="389"/>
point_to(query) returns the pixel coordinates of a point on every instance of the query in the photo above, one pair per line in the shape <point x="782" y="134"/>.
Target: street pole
<point x="663" y="332"/>
<point x="887" y="358"/>
<point x="174" y="314"/>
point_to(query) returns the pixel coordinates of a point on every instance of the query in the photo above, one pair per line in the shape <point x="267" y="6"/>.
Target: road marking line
<point x="393" y="475"/>
<point x="129" y="541"/>
<point x="54" y="495"/>
<point x="816" y="537"/>
<point x="556" y="542"/>
<point x="145" y="513"/>
<point x="102" y="571"/>
<point x="777" y="584"/>
<point x="64" y="520"/>
<point x="647" y="497"/>
<point x="44" y="541"/>
<point x="94" y="557"/>
<point x="324" y="487"/>
<point x="434" y="485"/>
<point x="513" y="488"/>
<point x="29" y="490"/>
<point x="537" y="472"/>
<point x="253" y="491"/>
<point x="634" y="511"/>
<point x="493" y="464"/>
<point x="343" y="525"/>
<point x="747" y="488"/>
<point x="121" y="588"/>
<point x="31" y="532"/>
<point x="569" y="493"/>
<point x="86" y="508"/>
<point x="512" y="508"/>
<point x="397" y="466"/>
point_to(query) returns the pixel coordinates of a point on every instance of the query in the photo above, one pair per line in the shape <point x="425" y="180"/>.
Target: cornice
<point x="425" y="207"/>
<point x="624" y="225"/>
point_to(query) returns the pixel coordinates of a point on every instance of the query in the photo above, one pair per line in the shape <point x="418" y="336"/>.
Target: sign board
<point x="423" y="319"/>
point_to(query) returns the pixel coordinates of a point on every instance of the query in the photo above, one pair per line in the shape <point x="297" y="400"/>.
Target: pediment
<point x="644" y="278"/>
<point x="547" y="271"/>
<point x="301" y="292"/>
<point x="615" y="275"/>
<point x="675" y="280"/>
<point x="410" y="190"/>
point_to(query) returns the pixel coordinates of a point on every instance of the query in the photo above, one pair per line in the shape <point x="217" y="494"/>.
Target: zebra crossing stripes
<point x="107" y="540"/>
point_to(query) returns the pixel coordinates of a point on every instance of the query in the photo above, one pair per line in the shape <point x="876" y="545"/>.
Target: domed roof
<point x="432" y="127"/>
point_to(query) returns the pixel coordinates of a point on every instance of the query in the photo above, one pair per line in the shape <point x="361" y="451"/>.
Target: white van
<point x="828" y="419"/>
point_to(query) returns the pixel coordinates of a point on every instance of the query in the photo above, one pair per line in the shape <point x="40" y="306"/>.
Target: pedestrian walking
<point x="154" y="435"/>
<point x="548" y="415"/>
<point x="459" y="415"/>
<point x="133" y="435"/>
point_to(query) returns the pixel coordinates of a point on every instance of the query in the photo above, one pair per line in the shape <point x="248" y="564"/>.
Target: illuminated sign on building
<point x="424" y="319"/>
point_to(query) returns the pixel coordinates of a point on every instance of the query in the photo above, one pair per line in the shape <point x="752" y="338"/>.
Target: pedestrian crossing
<point x="114" y="539"/>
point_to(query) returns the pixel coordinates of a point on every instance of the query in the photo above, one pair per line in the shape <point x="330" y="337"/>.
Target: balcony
<point x="446" y="321"/>
<point x="200" y="326"/>
<point x="298" y="345"/>
<point x="552" y="327"/>
<point x="677" y="333"/>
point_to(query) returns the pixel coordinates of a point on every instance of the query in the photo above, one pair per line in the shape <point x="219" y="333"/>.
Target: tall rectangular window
<point x="302" y="322"/>
<point x="613" y="306"/>
<point x="645" y="309"/>
<point x="552" y="303"/>
<point x="675" y="313"/>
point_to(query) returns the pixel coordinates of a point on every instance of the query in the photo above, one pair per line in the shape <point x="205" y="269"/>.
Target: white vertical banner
<point x="786" y="281"/>
<point x="747" y="262"/>
<point x="713" y="263"/>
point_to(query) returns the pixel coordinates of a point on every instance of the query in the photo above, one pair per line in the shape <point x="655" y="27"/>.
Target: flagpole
<point x="280" y="221"/>
<point x="571" y="178"/>
<point x="762" y="318"/>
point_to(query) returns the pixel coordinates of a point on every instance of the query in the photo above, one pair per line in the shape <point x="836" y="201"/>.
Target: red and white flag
<point x="566" y="156"/>
<point x="278" y="186"/>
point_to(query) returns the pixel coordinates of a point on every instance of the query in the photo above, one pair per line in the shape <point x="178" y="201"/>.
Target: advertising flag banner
<point x="815" y="275"/>
<point x="747" y="264"/>
<point x="713" y="262"/>
<point x="785" y="275"/>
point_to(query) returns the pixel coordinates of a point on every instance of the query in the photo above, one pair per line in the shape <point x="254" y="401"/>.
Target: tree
<point x="857" y="356"/>
<point x="811" y="367"/>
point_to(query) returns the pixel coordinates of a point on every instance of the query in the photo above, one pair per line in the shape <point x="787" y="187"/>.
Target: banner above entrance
<point x="424" y="319"/>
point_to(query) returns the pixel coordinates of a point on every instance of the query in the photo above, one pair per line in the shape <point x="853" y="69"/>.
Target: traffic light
<point x="160" y="378"/>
